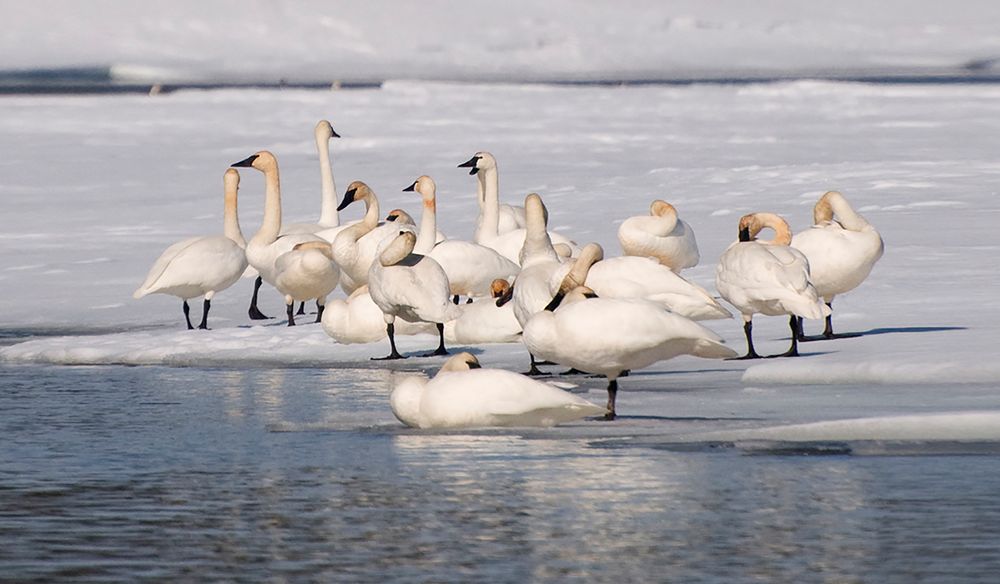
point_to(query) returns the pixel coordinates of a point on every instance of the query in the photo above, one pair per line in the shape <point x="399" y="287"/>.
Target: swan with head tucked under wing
<point x="464" y="395"/>
<point x="661" y="235"/>
<point x="357" y="319"/>
<point x="767" y="277"/>
<point x="635" y="277"/>
<point x="608" y="336"/>
<point x="267" y="244"/>
<point x="471" y="268"/>
<point x="329" y="220"/>
<point x="202" y="266"/>
<point x="410" y="286"/>
<point x="307" y="272"/>
<point x="490" y="231"/>
<point x="842" y="247"/>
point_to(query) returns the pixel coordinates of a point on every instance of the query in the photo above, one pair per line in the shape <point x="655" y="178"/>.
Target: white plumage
<point x="660" y="235"/>
<point x="463" y="395"/>
<point x="328" y="217"/>
<point x="358" y="319"/>
<point x="307" y="272"/>
<point x="484" y="322"/>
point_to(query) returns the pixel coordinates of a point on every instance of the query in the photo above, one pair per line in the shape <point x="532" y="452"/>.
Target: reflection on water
<point x="122" y="474"/>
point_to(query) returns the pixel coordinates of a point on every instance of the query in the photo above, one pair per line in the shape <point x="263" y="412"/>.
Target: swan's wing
<point x="163" y="262"/>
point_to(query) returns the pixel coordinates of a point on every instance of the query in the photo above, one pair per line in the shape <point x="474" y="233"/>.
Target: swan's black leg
<point x="290" y="310"/>
<point x="319" y="311"/>
<point x="255" y="313"/>
<point x="302" y="309"/>
<point x="440" y="349"/>
<point x="455" y="299"/>
<point x="751" y="353"/>
<point x="204" y="315"/>
<point x="535" y="371"/>
<point x="612" y="396"/>
<point x="390" y="329"/>
<point x="793" y="351"/>
<point x="187" y="314"/>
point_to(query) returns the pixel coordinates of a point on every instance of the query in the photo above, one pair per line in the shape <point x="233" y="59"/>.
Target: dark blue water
<point x="113" y="474"/>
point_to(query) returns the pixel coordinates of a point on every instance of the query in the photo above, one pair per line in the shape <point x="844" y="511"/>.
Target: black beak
<point x="335" y="134"/>
<point x="474" y="365"/>
<point x="556" y="301"/>
<point x="246" y="162"/>
<point x="412" y="187"/>
<point x="745" y="234"/>
<point x="471" y="163"/>
<point x="507" y="296"/>
<point x="348" y="199"/>
<point x="391" y="217"/>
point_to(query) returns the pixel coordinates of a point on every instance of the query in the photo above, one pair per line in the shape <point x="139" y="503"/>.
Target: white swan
<point x="494" y="218"/>
<point x="410" y="286"/>
<point x="842" y="247"/>
<point x="464" y="395"/>
<point x="266" y="245"/>
<point x="639" y="277"/>
<point x="356" y="247"/>
<point x="608" y="336"/>
<point x="357" y="319"/>
<point x="202" y="266"/>
<point x="328" y="217"/>
<point x="530" y="292"/>
<point x="660" y="235"/>
<point x="471" y="268"/>
<point x="484" y="322"/>
<point x="307" y="272"/>
<point x="509" y="242"/>
<point x="767" y="277"/>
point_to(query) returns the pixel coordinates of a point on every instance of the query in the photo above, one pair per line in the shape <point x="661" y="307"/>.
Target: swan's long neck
<point x="271" y="226"/>
<point x="231" y="220"/>
<point x="834" y="203"/>
<point x="428" y="226"/>
<point x="397" y="250"/>
<point x="666" y="216"/>
<point x="782" y="232"/>
<point x="371" y="211"/>
<point x="328" y="215"/>
<point x="489" y="216"/>
<point x="537" y="242"/>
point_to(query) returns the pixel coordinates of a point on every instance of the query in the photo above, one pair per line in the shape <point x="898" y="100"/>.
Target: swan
<point x="355" y="247"/>
<point x="328" y="217"/>
<point x="530" y="292"/>
<point x="639" y="277"/>
<point x="306" y="272"/>
<point x="357" y="319"/>
<point x="484" y="322"/>
<point x="506" y="217"/>
<point x="410" y="286"/>
<point x="471" y="268"/>
<point x="266" y="245"/>
<point x="202" y="266"/>
<point x="401" y="217"/>
<point x="767" y="277"/>
<point x="507" y="243"/>
<point x="660" y="235"/>
<point x="608" y="336"/>
<point x="464" y="395"/>
<point x="841" y="251"/>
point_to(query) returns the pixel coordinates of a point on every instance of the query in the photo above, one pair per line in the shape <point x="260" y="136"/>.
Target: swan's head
<point x="753" y="223"/>
<point x="425" y="186"/>
<point x="262" y="161"/>
<point x="563" y="250"/>
<point x="324" y="131"/>
<point x="356" y="191"/>
<point x="231" y="181"/>
<point x="405" y="400"/>
<point x="824" y="209"/>
<point x="579" y="294"/>
<point x="399" y="217"/>
<point x="481" y="161"/>
<point x="589" y="255"/>
<point x="534" y="209"/>
<point x="460" y="362"/>
<point x="499" y="287"/>
<point x="661" y="208"/>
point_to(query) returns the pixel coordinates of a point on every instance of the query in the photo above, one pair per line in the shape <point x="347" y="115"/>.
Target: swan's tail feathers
<point x="140" y="292"/>
<point x="814" y="310"/>
<point x="711" y="349"/>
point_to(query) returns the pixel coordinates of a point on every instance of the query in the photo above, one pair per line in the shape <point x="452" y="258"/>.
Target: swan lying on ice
<point x="842" y="247"/>
<point x="464" y="395"/>
<point x="202" y="266"/>
<point x="767" y="277"/>
<point x="484" y="322"/>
